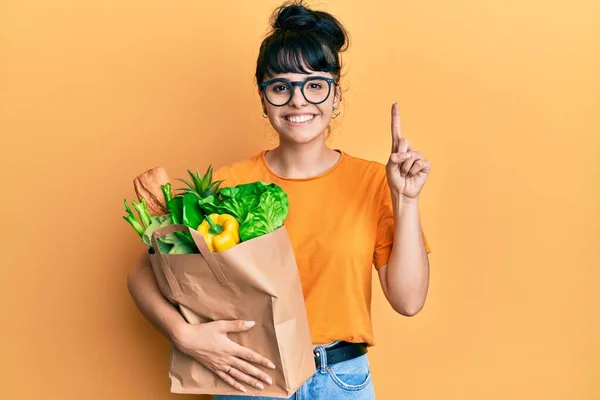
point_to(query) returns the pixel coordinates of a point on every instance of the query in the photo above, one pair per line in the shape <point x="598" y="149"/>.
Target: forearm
<point x="407" y="274"/>
<point x="152" y="304"/>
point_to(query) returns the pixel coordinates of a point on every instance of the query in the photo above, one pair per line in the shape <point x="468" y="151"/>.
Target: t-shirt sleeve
<point x="223" y="174"/>
<point x="385" y="229"/>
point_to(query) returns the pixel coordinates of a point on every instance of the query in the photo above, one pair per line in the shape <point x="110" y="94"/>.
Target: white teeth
<point x="300" y="118"/>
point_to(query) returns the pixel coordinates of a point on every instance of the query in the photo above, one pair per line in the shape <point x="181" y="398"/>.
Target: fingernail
<point x="243" y="389"/>
<point x="249" y="324"/>
<point x="260" y="385"/>
<point x="408" y="155"/>
<point x="271" y="365"/>
<point x="269" y="381"/>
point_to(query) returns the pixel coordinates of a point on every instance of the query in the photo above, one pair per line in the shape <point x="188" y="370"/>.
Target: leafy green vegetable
<point x="157" y="223"/>
<point x="168" y="244"/>
<point x="267" y="216"/>
<point x="178" y="245"/>
<point x="236" y="201"/>
<point x="260" y="208"/>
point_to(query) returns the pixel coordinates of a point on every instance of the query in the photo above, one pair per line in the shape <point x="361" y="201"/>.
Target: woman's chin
<point x="300" y="136"/>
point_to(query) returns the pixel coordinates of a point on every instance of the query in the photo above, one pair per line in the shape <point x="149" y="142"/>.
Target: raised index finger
<point x="396" y="129"/>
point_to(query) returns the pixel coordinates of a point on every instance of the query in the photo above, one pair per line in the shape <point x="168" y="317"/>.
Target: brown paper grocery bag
<point x="256" y="280"/>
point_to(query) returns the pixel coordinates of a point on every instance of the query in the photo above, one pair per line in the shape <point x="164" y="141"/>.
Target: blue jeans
<point x="347" y="380"/>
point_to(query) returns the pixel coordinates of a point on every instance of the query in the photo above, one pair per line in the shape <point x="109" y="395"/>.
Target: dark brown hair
<point x="301" y="41"/>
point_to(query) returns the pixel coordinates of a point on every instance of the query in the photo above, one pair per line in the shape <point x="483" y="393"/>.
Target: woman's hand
<point x="406" y="169"/>
<point x="209" y="344"/>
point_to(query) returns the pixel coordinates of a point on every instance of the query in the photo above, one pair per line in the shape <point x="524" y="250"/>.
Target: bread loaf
<point x="148" y="187"/>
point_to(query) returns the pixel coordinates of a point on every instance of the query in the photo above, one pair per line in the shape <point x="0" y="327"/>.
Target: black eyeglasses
<point x="279" y="91"/>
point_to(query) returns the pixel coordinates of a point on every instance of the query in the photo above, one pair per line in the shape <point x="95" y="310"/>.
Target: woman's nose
<point x="297" y="99"/>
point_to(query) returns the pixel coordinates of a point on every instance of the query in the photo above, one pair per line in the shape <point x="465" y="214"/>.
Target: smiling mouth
<point x="299" y="119"/>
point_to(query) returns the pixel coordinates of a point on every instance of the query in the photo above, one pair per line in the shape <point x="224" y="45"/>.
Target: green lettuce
<point x="260" y="208"/>
<point x="267" y="216"/>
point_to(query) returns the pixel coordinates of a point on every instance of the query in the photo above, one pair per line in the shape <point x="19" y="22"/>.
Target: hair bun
<point x="297" y="17"/>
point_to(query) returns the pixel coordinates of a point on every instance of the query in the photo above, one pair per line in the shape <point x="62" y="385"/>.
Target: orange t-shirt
<point x="340" y="224"/>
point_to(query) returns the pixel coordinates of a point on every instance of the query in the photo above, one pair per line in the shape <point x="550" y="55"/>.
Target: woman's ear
<point x="262" y="102"/>
<point x="338" y="97"/>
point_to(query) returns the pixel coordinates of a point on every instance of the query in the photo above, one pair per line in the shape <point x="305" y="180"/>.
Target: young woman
<point x="346" y="215"/>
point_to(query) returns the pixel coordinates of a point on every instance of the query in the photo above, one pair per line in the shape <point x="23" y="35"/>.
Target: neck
<point x="301" y="161"/>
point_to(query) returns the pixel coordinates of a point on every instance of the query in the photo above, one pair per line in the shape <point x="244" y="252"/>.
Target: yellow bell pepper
<point x="220" y="231"/>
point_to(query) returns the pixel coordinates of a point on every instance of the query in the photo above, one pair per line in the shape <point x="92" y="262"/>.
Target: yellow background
<point x="502" y="96"/>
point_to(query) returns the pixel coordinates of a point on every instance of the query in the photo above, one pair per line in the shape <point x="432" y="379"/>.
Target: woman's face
<point x="299" y="121"/>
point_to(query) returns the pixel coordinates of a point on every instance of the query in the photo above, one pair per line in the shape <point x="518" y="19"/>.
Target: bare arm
<point x="405" y="280"/>
<point x="144" y="290"/>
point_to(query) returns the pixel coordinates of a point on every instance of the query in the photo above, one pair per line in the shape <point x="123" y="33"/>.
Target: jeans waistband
<point x="326" y="355"/>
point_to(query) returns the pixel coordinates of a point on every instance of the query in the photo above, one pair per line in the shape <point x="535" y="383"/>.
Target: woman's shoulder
<point x="364" y="166"/>
<point x="244" y="170"/>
